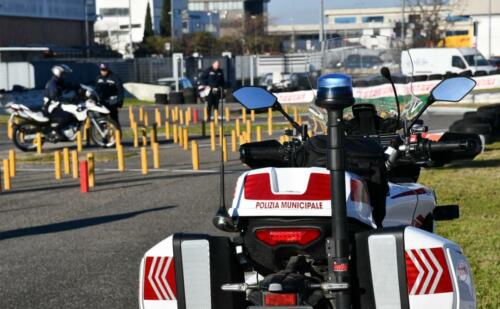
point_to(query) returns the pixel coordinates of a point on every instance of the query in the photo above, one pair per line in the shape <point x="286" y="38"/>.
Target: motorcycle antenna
<point x="222" y="220"/>
<point x="387" y="74"/>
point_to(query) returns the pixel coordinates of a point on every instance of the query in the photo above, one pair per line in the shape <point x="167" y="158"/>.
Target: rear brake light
<point x="277" y="236"/>
<point x="279" y="299"/>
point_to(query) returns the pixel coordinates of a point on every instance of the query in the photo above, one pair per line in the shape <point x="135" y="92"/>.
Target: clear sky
<point x="307" y="11"/>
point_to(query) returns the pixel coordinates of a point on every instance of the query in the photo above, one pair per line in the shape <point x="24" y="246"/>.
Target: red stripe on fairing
<point x="444" y="284"/>
<point x="258" y="187"/>
<point x="163" y="282"/>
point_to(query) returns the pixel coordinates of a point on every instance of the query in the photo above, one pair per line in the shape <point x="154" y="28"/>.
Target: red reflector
<point x="274" y="299"/>
<point x="277" y="236"/>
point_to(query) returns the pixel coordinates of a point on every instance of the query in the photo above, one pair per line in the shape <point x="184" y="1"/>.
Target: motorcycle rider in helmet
<point x="57" y="91"/>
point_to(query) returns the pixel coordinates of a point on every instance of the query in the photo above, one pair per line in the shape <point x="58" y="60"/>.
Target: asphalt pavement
<point x="60" y="248"/>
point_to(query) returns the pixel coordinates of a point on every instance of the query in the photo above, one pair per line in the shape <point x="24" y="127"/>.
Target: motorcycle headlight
<point x="88" y="93"/>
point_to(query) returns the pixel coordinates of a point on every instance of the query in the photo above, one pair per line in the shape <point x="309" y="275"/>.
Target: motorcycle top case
<point x="186" y="271"/>
<point x="407" y="267"/>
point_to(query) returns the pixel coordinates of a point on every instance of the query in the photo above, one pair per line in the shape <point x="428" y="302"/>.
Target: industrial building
<point x="61" y="23"/>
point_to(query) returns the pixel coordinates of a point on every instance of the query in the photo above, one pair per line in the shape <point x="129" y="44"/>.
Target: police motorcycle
<point x="79" y="106"/>
<point x="306" y="237"/>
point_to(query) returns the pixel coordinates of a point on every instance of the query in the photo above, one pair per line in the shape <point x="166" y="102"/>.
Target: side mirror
<point x="253" y="98"/>
<point x="453" y="89"/>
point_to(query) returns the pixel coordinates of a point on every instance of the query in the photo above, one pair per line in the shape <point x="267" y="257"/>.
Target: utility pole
<point x="322" y="25"/>
<point x="87" y="43"/>
<point x="172" y="33"/>
<point x="489" y="29"/>
<point x="403" y="30"/>
<point x="130" y="28"/>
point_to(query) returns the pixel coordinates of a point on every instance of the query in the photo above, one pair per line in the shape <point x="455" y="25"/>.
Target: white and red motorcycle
<point x="62" y="126"/>
<point x="307" y="236"/>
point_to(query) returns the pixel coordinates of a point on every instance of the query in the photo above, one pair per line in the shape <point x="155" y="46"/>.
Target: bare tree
<point x="428" y="19"/>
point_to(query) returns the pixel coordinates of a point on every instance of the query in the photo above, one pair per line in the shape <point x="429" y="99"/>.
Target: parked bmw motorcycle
<point x="307" y="237"/>
<point x="29" y="122"/>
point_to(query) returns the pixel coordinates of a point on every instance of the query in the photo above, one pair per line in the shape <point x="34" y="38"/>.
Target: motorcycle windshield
<point x="362" y="58"/>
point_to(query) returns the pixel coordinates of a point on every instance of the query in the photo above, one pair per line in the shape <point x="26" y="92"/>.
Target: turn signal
<point x="278" y="236"/>
<point x="274" y="299"/>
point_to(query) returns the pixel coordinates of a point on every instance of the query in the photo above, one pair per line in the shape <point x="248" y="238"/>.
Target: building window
<point x="225" y="6"/>
<point x="345" y="20"/>
<point x="458" y="18"/>
<point x="196" y="6"/>
<point x="373" y="19"/>
<point x="117" y="12"/>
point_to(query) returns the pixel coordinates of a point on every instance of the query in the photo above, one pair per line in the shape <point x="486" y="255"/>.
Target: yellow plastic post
<point x="157" y="117"/>
<point x="212" y="136"/>
<point x="144" y="137"/>
<point x="74" y="161"/>
<point x="86" y="127"/>
<point x="228" y="114"/>
<point x="237" y="127"/>
<point x="270" y="121"/>
<point x="286" y="108"/>
<point x="205" y="114"/>
<point x="244" y="115"/>
<point x="259" y="134"/>
<point x="146" y="119"/>
<point x="252" y="115"/>
<point x="187" y="116"/>
<point x="57" y="165"/>
<point x="167" y="113"/>
<point x="249" y="130"/>
<point x="131" y="113"/>
<point x="153" y="134"/>
<point x="6" y="175"/>
<point x="144" y="161"/>
<point x="156" y="155"/>
<point x="295" y="114"/>
<point x="224" y="148"/>
<point x="233" y="140"/>
<point x="79" y="144"/>
<point x="135" y="133"/>
<point x="195" y="155"/>
<point x="216" y="116"/>
<point x="181" y="137"/>
<point x="176" y="112"/>
<point x="241" y="139"/>
<point x="10" y="130"/>
<point x="174" y="129"/>
<point x="141" y="113"/>
<point x="120" y="158"/>
<point x="12" y="163"/>
<point x="67" y="166"/>
<point x="91" y="167"/>
<point x="167" y="130"/>
<point x="38" y="138"/>
<point x="186" y="139"/>
<point x="181" y="118"/>
<point x="118" y="138"/>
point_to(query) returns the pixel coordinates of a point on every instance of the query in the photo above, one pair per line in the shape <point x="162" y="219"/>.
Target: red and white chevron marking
<point x="159" y="278"/>
<point x="427" y="271"/>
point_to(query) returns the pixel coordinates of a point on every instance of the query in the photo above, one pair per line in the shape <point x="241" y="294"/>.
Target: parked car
<point x="356" y="61"/>
<point x="495" y="61"/>
<point x="184" y="83"/>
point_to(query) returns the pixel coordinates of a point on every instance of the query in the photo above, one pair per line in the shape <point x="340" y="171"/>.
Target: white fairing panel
<point x="96" y="108"/>
<point x="438" y="275"/>
<point x="296" y="192"/>
<point x="408" y="204"/>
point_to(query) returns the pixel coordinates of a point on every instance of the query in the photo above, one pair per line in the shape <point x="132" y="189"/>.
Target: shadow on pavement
<point x="75" y="224"/>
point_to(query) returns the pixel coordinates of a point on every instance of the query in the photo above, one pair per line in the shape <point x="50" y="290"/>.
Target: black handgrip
<point x="447" y="146"/>
<point x="263" y="154"/>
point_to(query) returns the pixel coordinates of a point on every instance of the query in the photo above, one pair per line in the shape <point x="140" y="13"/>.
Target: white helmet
<point x="58" y="70"/>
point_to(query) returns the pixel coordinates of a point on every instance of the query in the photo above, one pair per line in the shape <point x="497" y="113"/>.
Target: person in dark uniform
<point x="110" y="89"/>
<point x="213" y="77"/>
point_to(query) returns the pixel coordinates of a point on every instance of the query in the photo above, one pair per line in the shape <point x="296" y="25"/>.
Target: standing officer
<point x="110" y="89"/>
<point x="213" y="77"/>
